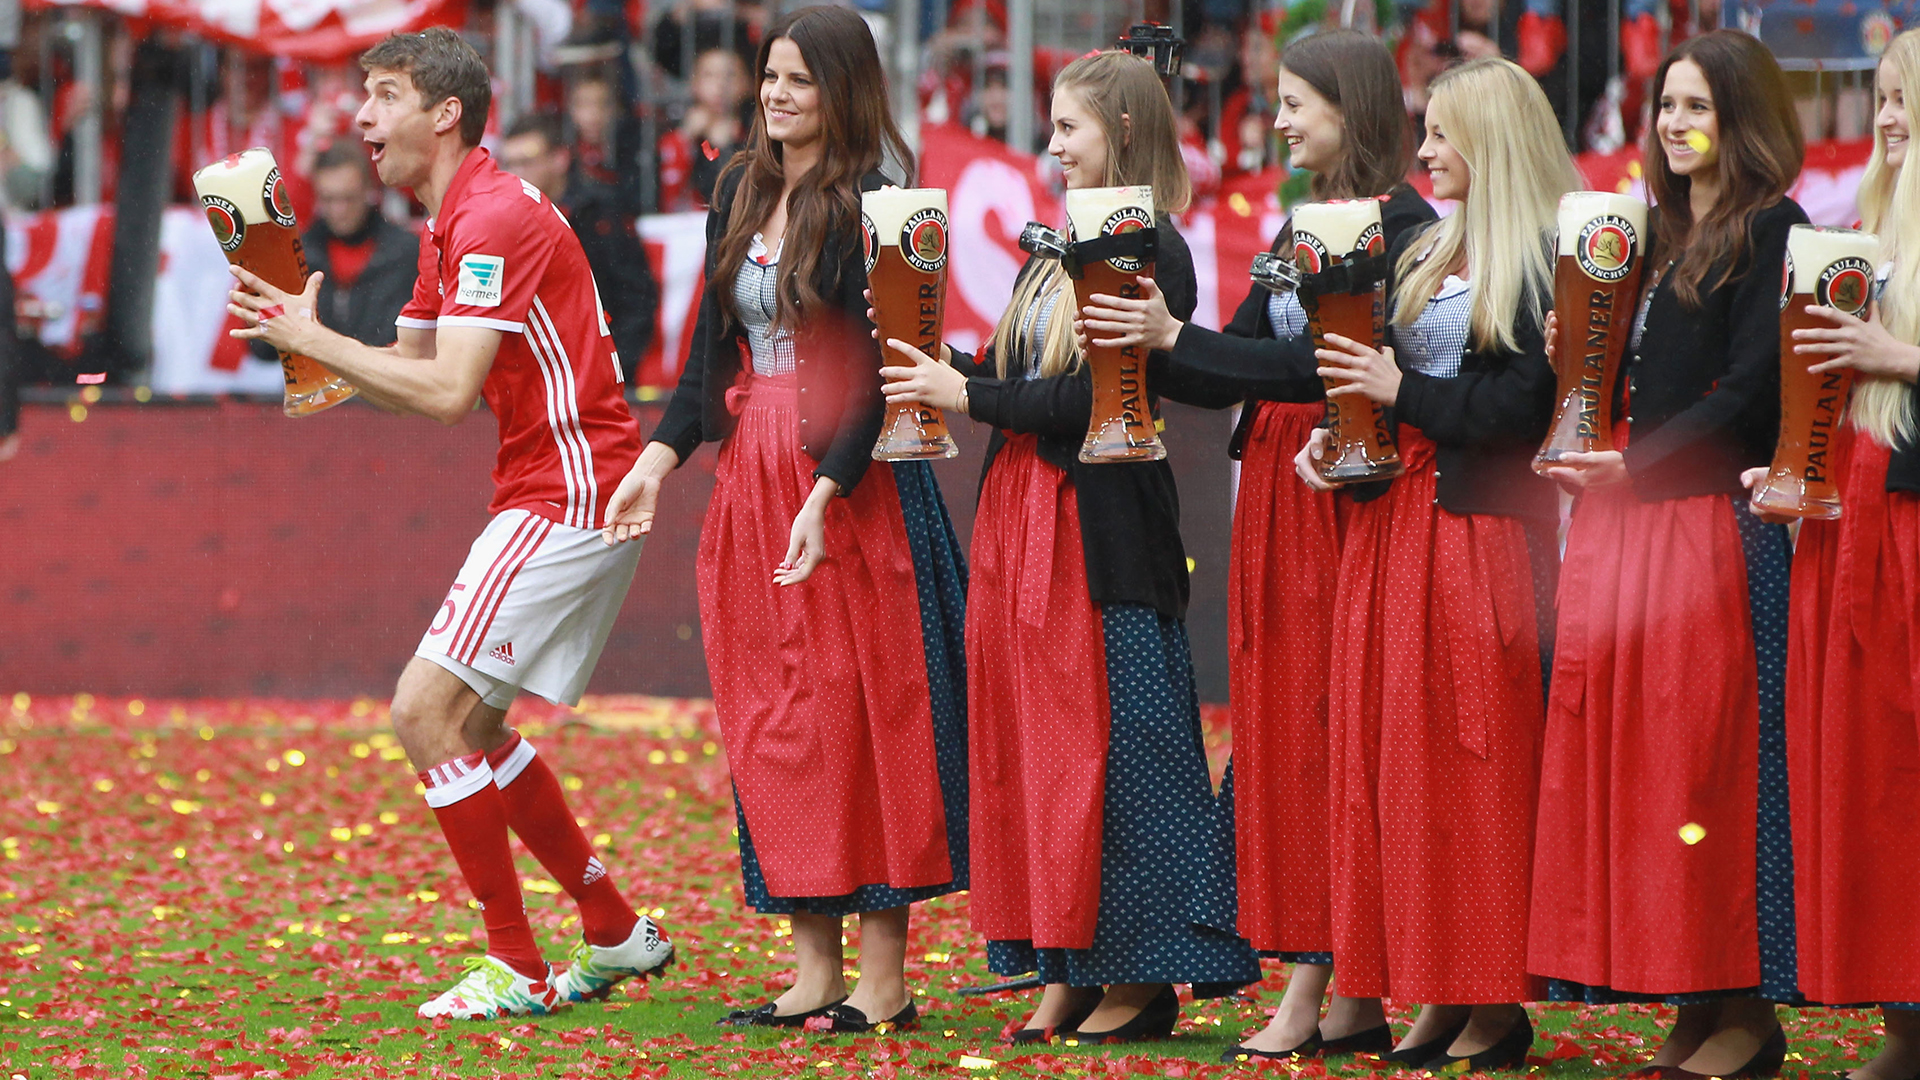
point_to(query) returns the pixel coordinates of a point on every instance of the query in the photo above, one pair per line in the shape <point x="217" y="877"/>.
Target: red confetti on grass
<point x="253" y="889"/>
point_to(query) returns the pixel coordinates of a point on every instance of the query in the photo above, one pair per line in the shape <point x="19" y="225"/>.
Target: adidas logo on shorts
<point x="503" y="653"/>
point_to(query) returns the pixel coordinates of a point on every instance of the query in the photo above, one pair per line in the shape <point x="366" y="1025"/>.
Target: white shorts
<point x="531" y="609"/>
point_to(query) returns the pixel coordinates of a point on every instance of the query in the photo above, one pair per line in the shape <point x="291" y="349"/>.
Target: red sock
<point x="537" y="811"/>
<point x="474" y="818"/>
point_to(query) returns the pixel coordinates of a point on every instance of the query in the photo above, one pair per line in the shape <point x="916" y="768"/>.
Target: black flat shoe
<point x="843" y="1019"/>
<point x="1509" y="1053"/>
<point x="1423" y="1053"/>
<point x="1312" y="1046"/>
<point x="1765" y="1062"/>
<point x="1074" y="1018"/>
<point x="763" y="1015"/>
<point x="1156" y="1021"/>
<point x="1374" y="1040"/>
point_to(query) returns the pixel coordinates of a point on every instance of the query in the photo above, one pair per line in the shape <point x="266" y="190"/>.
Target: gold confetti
<point x="968" y="1061"/>
<point x="294" y="758"/>
<point x="136" y="707"/>
<point x="388" y="817"/>
<point x="103" y="785"/>
<point x="340" y="833"/>
<point x="1692" y="834"/>
<point x="46" y="806"/>
<point x="267" y="799"/>
<point x="657" y="757"/>
<point x="1698" y="140"/>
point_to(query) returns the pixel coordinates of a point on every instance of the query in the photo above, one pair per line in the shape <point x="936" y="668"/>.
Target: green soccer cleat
<point x="490" y="990"/>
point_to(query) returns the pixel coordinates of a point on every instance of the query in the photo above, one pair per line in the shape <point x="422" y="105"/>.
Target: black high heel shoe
<point x="1765" y="1062"/>
<point x="1075" y="1016"/>
<point x="1424" y="1052"/>
<point x="1374" y="1040"/>
<point x="1509" y="1053"/>
<point x="1156" y="1021"/>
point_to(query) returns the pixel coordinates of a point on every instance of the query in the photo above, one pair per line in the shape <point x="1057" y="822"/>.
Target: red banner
<point x="321" y="30"/>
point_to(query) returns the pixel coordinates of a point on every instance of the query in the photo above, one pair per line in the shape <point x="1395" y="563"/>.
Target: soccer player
<point x="505" y="307"/>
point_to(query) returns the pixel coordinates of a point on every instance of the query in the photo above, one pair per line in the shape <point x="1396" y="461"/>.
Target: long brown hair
<point x="856" y="131"/>
<point x="1761" y="152"/>
<point x="1355" y="73"/>
<point x="1126" y="97"/>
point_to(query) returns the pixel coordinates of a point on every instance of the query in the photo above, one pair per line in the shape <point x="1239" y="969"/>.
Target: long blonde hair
<point x="1143" y="147"/>
<point x="1498" y="118"/>
<point x="1889" y="202"/>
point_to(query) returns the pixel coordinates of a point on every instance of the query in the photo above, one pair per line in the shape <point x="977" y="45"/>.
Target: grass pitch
<point x="255" y="889"/>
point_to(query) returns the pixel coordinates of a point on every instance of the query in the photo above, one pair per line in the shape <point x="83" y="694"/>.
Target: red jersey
<point x="567" y="437"/>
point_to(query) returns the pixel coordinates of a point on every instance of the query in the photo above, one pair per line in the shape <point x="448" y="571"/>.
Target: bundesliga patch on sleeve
<point x="481" y="277"/>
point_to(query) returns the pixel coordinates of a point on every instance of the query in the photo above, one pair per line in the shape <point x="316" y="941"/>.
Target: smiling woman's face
<point x="1312" y="126"/>
<point x="789" y="97"/>
<point x="1079" y="143"/>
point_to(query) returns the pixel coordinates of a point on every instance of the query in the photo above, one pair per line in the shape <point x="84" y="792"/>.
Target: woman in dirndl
<point x="1100" y="858"/>
<point x="1340" y="111"/>
<point x="1665" y="861"/>
<point x="1853" y="743"/>
<point x="1436" y="712"/>
<point x="831" y="588"/>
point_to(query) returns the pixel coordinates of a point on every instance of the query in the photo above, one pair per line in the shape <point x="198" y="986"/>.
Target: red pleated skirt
<point x="1644" y="879"/>
<point x="1433" y="747"/>
<point x="1280" y="602"/>
<point x="1037" y="709"/>
<point x="1853" y="750"/>
<point x="820" y="688"/>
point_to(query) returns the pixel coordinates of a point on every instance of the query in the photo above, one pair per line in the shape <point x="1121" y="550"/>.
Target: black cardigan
<point x="1703" y="390"/>
<point x="1903" y="472"/>
<point x="1487" y="422"/>
<point x="835" y="358"/>
<point x="1216" y="369"/>
<point x="1130" y="512"/>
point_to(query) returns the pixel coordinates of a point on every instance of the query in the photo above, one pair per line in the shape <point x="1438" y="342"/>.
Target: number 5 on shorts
<point x="447" y="612"/>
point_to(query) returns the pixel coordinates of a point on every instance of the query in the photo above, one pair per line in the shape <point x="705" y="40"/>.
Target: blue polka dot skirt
<point x="1166" y="861"/>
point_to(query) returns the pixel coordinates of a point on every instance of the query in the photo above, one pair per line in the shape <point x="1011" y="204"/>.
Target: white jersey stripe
<point x="564" y="415"/>
<point x="542" y="319"/>
<point x="540" y="326"/>
<point x="539" y="345"/>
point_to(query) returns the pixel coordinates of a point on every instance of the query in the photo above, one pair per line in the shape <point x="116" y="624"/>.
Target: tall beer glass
<point x="1122" y="426"/>
<point x="1325" y="235"/>
<point x="1832" y="268"/>
<point x="252" y="218"/>
<point x="906" y="239"/>
<point x="1596" y="287"/>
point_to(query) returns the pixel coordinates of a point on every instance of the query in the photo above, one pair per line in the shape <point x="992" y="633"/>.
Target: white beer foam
<point x="241" y="179"/>
<point x="1579" y="207"/>
<point x="1813" y="248"/>
<point x="1089" y="208"/>
<point x="1338" y="224"/>
<point x="890" y="207"/>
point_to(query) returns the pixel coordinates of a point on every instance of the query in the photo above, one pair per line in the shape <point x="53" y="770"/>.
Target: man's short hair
<point x="442" y="65"/>
<point x="544" y="124"/>
<point x="342" y="155"/>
